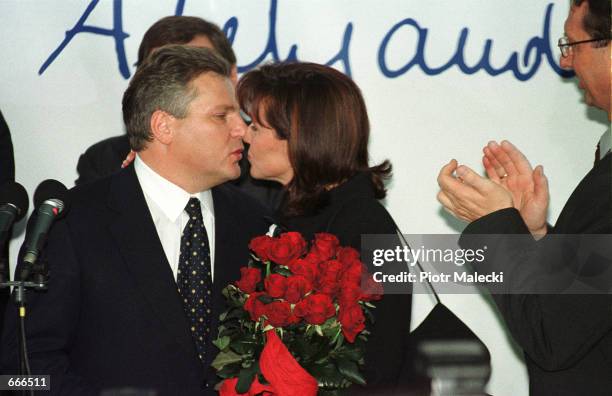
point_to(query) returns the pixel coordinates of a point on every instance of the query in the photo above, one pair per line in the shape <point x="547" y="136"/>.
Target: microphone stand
<point x="20" y="288"/>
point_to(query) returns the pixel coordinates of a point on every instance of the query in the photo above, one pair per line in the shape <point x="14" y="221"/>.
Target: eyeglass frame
<point x="565" y="45"/>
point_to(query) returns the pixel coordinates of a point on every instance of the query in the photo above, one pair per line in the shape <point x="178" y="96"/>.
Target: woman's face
<point x="268" y="155"/>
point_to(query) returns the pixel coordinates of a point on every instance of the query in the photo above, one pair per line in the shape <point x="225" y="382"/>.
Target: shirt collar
<point x="170" y="198"/>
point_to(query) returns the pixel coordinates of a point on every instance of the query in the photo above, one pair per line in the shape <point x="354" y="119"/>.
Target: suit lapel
<point x="138" y="242"/>
<point x="229" y="256"/>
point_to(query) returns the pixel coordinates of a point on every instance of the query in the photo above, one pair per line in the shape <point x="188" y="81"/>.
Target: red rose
<point x="279" y="314"/>
<point x="370" y="289"/>
<point x="349" y="295"/>
<point x="327" y="280"/>
<point x="261" y="246"/>
<point x="303" y="267"/>
<point x="276" y="285"/>
<point x="352" y="320"/>
<point x="351" y="275"/>
<point x="325" y="245"/>
<point x="296" y="239"/>
<point x="287" y="247"/>
<point x="316" y="308"/>
<point x="254" y="306"/>
<point x="297" y="287"/>
<point x="249" y="279"/>
<point x="328" y="287"/>
<point x="313" y="257"/>
<point x="347" y="255"/>
<point x="330" y="270"/>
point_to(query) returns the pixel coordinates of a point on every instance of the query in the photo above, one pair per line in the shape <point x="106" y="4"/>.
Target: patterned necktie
<point x="194" y="278"/>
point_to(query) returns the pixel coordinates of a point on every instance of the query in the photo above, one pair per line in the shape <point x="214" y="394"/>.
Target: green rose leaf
<point x="244" y="345"/>
<point x="318" y="330"/>
<point x="351" y="371"/>
<point x="229" y="371"/>
<point x="223" y="358"/>
<point x="351" y="353"/>
<point x="222" y="342"/>
<point x="284" y="271"/>
<point x="265" y="299"/>
<point x="245" y="378"/>
<point x="326" y="374"/>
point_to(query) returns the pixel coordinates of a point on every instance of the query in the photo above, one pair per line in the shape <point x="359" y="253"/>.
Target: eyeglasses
<point x="566" y="46"/>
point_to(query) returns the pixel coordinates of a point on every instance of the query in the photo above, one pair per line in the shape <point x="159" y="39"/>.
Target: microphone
<point x="13" y="207"/>
<point x="50" y="200"/>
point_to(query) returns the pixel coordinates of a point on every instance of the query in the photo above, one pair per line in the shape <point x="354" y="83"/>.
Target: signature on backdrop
<point x="530" y="58"/>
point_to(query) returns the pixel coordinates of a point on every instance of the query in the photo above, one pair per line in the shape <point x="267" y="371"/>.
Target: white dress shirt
<point x="166" y="202"/>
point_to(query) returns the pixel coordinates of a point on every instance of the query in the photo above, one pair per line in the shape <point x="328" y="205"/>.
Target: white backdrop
<point x="421" y="116"/>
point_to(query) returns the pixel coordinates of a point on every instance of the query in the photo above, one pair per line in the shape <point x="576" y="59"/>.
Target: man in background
<point x="105" y="157"/>
<point x="7" y="174"/>
<point x="7" y="161"/>
<point x="566" y="338"/>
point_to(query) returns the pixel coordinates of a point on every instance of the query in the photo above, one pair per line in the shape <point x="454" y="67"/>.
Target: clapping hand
<point x="468" y="195"/>
<point x="508" y="167"/>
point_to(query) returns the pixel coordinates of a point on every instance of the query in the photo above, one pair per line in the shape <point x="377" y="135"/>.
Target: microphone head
<point x="14" y="194"/>
<point x="50" y="189"/>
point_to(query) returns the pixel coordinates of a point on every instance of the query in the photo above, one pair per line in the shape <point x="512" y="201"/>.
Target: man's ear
<point x="161" y="129"/>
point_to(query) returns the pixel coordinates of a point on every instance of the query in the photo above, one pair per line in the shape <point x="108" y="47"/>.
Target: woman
<point x="309" y="132"/>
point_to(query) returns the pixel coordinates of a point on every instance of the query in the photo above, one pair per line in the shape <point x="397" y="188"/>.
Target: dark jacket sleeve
<point x="7" y="160"/>
<point x="555" y="330"/>
<point x="102" y="159"/>
<point x="51" y="321"/>
<point x="387" y="351"/>
<point x="7" y="173"/>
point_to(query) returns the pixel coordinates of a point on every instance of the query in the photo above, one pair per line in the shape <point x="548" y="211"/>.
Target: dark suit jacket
<point x="350" y="211"/>
<point x="105" y="157"/>
<point x="567" y="339"/>
<point x="7" y="174"/>
<point x="7" y="162"/>
<point x="102" y="159"/>
<point x="112" y="316"/>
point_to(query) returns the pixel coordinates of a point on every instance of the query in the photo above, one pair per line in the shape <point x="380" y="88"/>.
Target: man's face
<point x="207" y="143"/>
<point x="591" y="64"/>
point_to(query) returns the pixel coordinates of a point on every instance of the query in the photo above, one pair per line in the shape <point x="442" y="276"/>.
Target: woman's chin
<point x="257" y="175"/>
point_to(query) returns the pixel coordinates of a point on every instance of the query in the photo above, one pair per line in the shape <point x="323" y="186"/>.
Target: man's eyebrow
<point x="224" y="108"/>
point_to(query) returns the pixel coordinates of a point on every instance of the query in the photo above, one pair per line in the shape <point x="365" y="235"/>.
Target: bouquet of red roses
<point x="296" y="322"/>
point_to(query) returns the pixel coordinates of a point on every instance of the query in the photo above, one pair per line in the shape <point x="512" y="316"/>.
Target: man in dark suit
<point x="7" y="162"/>
<point x="137" y="266"/>
<point x="7" y="174"/>
<point x="105" y="157"/>
<point x="567" y="338"/>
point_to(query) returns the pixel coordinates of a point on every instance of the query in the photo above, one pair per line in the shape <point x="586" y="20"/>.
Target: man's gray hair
<point x="163" y="82"/>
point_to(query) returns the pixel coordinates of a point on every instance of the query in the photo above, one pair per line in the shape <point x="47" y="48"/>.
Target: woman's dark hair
<point x="322" y="115"/>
